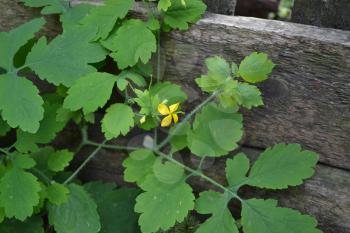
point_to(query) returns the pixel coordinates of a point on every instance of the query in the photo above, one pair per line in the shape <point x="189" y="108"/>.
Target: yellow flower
<point x="170" y="113"/>
<point x="143" y="119"/>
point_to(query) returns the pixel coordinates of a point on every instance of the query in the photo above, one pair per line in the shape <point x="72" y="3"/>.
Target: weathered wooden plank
<point x="325" y="195"/>
<point x="323" y="13"/>
<point x="13" y="14"/>
<point x="226" y="7"/>
<point x="307" y="98"/>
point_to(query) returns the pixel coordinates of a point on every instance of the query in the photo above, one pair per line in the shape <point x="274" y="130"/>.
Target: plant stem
<point x="4" y="151"/>
<point x="197" y="173"/>
<point x="201" y="163"/>
<point x="112" y="147"/>
<point x="186" y="119"/>
<point x="44" y="177"/>
<point x="86" y="161"/>
<point x="192" y="171"/>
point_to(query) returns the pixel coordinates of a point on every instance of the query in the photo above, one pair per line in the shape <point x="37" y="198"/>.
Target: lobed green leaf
<point x="79" y="214"/>
<point x="119" y="118"/>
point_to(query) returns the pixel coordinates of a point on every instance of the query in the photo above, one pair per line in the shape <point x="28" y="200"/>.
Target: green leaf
<point x="215" y="132"/>
<point x="163" y="5"/>
<point x="71" y="50"/>
<point x="235" y="70"/>
<point x="126" y="76"/>
<point x="42" y="199"/>
<point x="282" y="166"/>
<point x="31" y="225"/>
<point x="105" y="17"/>
<point x="153" y="24"/>
<point x="59" y="160"/>
<point x="22" y="161"/>
<point x="179" y="16"/>
<point x="20" y="103"/>
<point x="229" y="97"/>
<point x="99" y="188"/>
<point x="256" y="67"/>
<point x="57" y="194"/>
<point x="119" y="118"/>
<point x="19" y="193"/>
<point x="127" y="48"/>
<point x="90" y="92"/>
<point x="166" y="203"/>
<point x="138" y="165"/>
<point x="214" y="203"/>
<point x="169" y="92"/>
<point x="250" y="96"/>
<point x="49" y="6"/>
<point x="74" y="15"/>
<point x="78" y="215"/>
<point x="115" y="207"/>
<point x="236" y="170"/>
<point x="147" y="102"/>
<point x="168" y="172"/>
<point x="11" y="42"/>
<point x="41" y="158"/>
<point x="2" y="216"/>
<point x="218" y="72"/>
<point x="4" y="127"/>
<point x="179" y="139"/>
<point x="47" y="131"/>
<point x="264" y="216"/>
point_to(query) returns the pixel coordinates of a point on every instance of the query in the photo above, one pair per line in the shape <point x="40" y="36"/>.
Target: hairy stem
<point x="169" y="158"/>
<point x="86" y="161"/>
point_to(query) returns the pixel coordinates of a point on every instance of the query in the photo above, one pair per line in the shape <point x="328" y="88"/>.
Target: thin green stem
<point x="44" y="177"/>
<point x="197" y="173"/>
<point x="112" y="147"/>
<point x="199" y="168"/>
<point x="86" y="161"/>
<point x="167" y="157"/>
<point x="186" y="119"/>
<point x="4" y="151"/>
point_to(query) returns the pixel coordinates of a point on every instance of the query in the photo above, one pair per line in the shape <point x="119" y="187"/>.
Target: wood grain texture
<point x="307" y="99"/>
<point x="323" y="13"/>
<point x="225" y="7"/>
<point x="13" y="14"/>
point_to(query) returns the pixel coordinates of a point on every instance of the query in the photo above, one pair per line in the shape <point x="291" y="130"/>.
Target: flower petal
<point x="176" y="118"/>
<point x="173" y="108"/>
<point x="166" y="121"/>
<point x="163" y="109"/>
<point x="143" y="120"/>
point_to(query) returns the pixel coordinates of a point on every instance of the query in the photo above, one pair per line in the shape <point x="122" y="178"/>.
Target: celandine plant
<point x="38" y="194"/>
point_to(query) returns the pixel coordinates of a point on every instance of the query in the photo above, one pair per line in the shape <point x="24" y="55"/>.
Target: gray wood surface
<point x="307" y="99"/>
<point x="323" y="13"/>
<point x="226" y="7"/>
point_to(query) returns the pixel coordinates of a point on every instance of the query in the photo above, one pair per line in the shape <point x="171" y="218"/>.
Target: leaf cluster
<point x="102" y="62"/>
